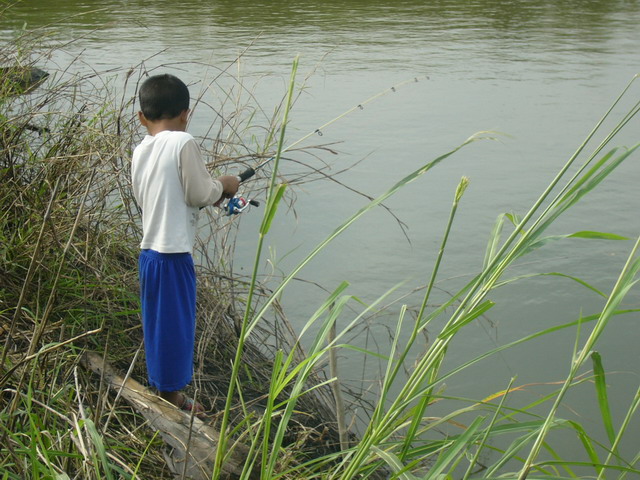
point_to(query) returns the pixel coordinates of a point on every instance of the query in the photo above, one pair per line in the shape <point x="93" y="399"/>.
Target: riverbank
<point x="69" y="285"/>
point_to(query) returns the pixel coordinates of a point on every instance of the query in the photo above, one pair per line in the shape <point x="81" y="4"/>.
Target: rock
<point x="17" y="80"/>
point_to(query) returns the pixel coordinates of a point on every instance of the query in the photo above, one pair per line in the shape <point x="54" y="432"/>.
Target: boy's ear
<point x="142" y="118"/>
<point x="184" y="115"/>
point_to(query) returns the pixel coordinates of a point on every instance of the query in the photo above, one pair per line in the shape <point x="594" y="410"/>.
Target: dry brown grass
<point x="68" y="282"/>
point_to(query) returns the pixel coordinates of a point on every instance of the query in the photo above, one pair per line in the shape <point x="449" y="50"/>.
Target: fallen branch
<point x="193" y="442"/>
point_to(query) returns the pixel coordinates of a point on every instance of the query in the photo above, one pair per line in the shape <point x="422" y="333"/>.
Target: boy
<point x="170" y="183"/>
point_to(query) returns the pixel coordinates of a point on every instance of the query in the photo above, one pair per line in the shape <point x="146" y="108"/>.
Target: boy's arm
<point x="200" y="189"/>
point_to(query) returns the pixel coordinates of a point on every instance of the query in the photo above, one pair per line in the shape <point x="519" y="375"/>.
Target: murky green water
<point x="541" y="72"/>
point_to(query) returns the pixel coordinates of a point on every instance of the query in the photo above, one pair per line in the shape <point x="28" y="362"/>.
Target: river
<point x="540" y="72"/>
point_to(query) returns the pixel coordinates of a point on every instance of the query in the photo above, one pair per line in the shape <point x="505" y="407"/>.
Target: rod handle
<point x="247" y="174"/>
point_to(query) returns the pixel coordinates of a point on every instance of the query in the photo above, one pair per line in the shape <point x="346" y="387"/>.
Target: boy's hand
<point x="230" y="184"/>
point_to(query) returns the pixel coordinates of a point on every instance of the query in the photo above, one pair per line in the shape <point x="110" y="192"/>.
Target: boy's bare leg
<point x="173" y="397"/>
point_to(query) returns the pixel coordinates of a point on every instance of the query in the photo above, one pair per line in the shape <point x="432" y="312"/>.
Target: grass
<point x="70" y="232"/>
<point x="398" y="433"/>
<point x="68" y="283"/>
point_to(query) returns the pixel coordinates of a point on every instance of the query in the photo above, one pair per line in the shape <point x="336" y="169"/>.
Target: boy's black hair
<point x="163" y="96"/>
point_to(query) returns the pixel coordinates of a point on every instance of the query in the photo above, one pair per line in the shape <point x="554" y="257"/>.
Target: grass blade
<point x="488" y="431"/>
<point x="625" y="423"/>
<point x="245" y="327"/>
<point x="394" y="462"/>
<point x="460" y="443"/>
<point x="272" y="208"/>
<point x="603" y="400"/>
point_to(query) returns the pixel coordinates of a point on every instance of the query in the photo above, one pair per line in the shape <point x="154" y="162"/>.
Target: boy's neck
<point x="169" y="124"/>
<point x="175" y="124"/>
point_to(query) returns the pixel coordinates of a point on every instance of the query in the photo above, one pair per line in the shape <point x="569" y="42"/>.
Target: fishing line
<point x="249" y="172"/>
<point x="238" y="204"/>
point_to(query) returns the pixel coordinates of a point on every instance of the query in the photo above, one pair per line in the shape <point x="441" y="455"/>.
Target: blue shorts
<point x="168" y="301"/>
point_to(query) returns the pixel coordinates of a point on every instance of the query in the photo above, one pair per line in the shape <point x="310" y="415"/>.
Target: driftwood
<point x="190" y="439"/>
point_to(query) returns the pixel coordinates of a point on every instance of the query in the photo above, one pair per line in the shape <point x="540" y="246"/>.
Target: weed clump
<point x="68" y="283"/>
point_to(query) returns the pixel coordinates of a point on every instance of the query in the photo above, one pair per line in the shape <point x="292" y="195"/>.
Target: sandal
<point x="189" y="405"/>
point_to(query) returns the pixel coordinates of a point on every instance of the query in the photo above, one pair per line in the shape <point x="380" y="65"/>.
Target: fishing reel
<point x="238" y="204"/>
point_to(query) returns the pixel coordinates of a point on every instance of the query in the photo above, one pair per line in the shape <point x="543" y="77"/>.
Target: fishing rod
<point x="238" y="204"/>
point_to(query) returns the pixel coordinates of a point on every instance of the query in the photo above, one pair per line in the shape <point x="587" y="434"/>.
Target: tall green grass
<point x="400" y="437"/>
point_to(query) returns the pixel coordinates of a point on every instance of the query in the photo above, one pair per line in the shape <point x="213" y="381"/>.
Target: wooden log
<point x="192" y="442"/>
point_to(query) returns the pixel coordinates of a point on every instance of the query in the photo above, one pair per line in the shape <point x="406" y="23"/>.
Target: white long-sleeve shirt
<point x="171" y="184"/>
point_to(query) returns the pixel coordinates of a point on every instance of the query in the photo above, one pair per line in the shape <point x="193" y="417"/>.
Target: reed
<point x="400" y="436"/>
<point x="68" y="278"/>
